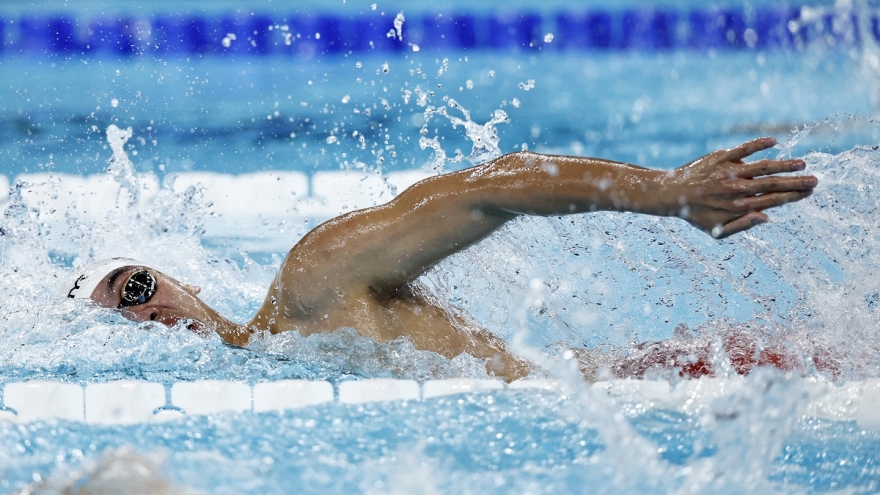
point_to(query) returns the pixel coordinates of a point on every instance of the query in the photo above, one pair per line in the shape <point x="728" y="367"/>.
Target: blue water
<point x="238" y="117"/>
<point x="489" y="443"/>
<point x="601" y="281"/>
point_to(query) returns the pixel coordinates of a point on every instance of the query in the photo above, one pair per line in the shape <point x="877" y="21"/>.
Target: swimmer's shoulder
<point x="303" y="294"/>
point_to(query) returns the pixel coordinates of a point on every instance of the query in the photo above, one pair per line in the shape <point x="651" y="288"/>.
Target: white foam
<point x="653" y="391"/>
<point x="837" y="403"/>
<point x="688" y="395"/>
<point x="122" y="402"/>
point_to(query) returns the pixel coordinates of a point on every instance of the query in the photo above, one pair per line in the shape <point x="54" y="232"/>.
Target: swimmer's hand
<point x="721" y="195"/>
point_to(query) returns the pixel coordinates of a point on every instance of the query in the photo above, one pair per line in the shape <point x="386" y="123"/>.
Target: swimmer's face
<point x="169" y="301"/>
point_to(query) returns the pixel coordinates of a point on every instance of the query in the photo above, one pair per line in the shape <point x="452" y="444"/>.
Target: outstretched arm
<point x="384" y="247"/>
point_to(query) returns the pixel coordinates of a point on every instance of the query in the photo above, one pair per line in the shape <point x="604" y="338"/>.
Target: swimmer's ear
<point x="192" y="289"/>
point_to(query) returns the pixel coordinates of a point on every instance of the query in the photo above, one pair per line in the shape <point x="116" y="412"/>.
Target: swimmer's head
<point x="139" y="292"/>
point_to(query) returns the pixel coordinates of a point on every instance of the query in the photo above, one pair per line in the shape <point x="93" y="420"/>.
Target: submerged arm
<point x="384" y="247"/>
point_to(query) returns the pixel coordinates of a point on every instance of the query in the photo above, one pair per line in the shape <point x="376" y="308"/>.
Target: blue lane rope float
<point x="307" y="34"/>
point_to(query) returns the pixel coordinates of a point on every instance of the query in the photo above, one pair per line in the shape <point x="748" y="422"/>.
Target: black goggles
<point x="138" y="289"/>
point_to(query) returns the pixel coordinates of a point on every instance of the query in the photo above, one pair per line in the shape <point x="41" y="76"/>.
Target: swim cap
<point x="82" y="282"/>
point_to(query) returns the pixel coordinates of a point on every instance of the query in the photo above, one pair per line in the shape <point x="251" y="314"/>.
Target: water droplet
<point x="528" y="85"/>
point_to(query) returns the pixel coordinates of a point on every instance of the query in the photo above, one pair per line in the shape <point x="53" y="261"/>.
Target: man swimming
<point x="358" y="269"/>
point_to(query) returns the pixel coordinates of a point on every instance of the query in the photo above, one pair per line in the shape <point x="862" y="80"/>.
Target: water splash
<point x="797" y="289"/>
<point x="483" y="136"/>
<point x="841" y="129"/>
<point x="121" y="168"/>
<point x="604" y="282"/>
<point x="397" y="32"/>
<point x="800" y="260"/>
<point x="83" y="344"/>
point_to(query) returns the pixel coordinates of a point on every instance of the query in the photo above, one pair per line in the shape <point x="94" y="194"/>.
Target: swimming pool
<point x="346" y="130"/>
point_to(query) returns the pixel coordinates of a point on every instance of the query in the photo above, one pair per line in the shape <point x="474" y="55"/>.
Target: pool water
<point x="524" y="443"/>
<point x="605" y="282"/>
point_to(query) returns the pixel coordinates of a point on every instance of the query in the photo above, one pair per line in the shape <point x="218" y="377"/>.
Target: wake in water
<point x="797" y="293"/>
<point x="49" y="338"/>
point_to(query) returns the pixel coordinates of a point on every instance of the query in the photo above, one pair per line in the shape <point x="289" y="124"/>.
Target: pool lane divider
<point x="128" y="402"/>
<point x="272" y="193"/>
<point x="278" y="202"/>
<point x="307" y="34"/>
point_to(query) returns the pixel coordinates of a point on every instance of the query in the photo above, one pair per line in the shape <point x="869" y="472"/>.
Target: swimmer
<point x="359" y="269"/>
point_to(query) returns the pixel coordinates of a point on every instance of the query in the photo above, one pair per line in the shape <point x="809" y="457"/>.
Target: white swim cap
<point x="82" y="282"/>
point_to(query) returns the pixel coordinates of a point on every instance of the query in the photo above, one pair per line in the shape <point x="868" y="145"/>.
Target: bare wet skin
<point x="420" y="320"/>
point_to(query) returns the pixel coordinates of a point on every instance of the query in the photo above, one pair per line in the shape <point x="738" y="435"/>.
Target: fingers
<point x="754" y="207"/>
<point x="740" y="224"/>
<point x="750" y="148"/>
<point x="772" y="200"/>
<point x="770" y="167"/>
<point x="777" y="184"/>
